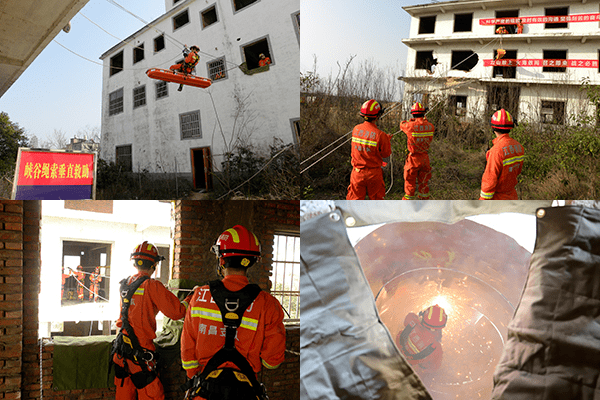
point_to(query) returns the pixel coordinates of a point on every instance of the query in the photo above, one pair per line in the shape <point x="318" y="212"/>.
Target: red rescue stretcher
<point x="170" y="76"/>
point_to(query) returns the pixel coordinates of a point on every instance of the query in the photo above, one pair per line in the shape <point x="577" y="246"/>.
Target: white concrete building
<point x="148" y="124"/>
<point x="453" y="46"/>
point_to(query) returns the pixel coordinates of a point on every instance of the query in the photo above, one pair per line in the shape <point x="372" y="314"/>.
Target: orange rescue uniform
<point x="260" y="338"/>
<point x="264" y="61"/>
<point x="419" y="340"/>
<point x="504" y="164"/>
<point x="188" y="64"/>
<point x="369" y="147"/>
<point x="419" y="133"/>
<point x="95" y="280"/>
<point x="150" y="298"/>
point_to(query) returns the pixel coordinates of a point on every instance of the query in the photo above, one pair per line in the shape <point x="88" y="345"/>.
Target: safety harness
<point x="215" y="383"/>
<point x="127" y="345"/>
<point x="404" y="339"/>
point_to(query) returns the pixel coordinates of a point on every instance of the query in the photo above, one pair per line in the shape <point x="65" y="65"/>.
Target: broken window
<point x="161" y="89"/>
<point x="556" y="12"/>
<point x="209" y="16"/>
<point x="216" y="69"/>
<point x="181" y="19"/>
<point x="509" y="72"/>
<point x="507" y="14"/>
<point x="296" y="129"/>
<point x="85" y="272"/>
<point x="552" y="56"/>
<point x="139" y="96"/>
<point x="463" y="22"/>
<point x="464" y="60"/>
<point x="253" y="50"/>
<point x="296" y="21"/>
<point x="239" y="4"/>
<point x="124" y="157"/>
<point x="425" y="60"/>
<point x="115" y="102"/>
<point x="138" y="53"/>
<point x="553" y="112"/>
<point x="503" y="96"/>
<point x="190" y="125"/>
<point x="116" y="63"/>
<point x="159" y="43"/>
<point x="458" y="105"/>
<point x="426" y="25"/>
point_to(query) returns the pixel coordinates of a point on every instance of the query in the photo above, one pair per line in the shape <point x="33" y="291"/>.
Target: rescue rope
<point x="86" y="288"/>
<point x="41" y="370"/>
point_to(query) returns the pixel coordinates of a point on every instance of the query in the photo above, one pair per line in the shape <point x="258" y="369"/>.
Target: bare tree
<point x="58" y="140"/>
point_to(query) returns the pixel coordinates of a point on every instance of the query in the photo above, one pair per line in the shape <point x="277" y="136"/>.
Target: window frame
<point x="164" y="45"/>
<point x="236" y="10"/>
<point x="554" y="69"/>
<point x="112" y="108"/>
<point x="137" y="50"/>
<point x="129" y="165"/>
<point x="116" y="69"/>
<point x="556" y="106"/>
<point x="463" y="15"/>
<point x="157" y="90"/>
<point x="139" y="102"/>
<point x="187" y="12"/>
<point x="181" y="127"/>
<point x="223" y="66"/>
<point x="268" y="53"/>
<point x="420" y="30"/>
<point x="207" y="9"/>
<point x="287" y="292"/>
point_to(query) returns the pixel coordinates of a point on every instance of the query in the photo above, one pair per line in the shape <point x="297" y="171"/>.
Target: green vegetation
<point x="11" y="138"/>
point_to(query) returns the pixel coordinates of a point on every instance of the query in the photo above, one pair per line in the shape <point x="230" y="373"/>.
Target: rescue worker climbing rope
<point x="504" y="161"/>
<point x="420" y="340"/>
<point x="232" y="328"/>
<point x="133" y="351"/>
<point x="417" y="171"/>
<point x="369" y="147"/>
<point x="189" y="63"/>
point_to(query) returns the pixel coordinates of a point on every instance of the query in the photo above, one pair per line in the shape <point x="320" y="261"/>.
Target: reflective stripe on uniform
<point x="139" y="291"/>
<point x="189" y="364"/>
<point x="412" y="346"/>
<point x="513" y="160"/>
<point x="207" y="313"/>
<point x="422" y="134"/>
<point x="269" y="366"/>
<point x="487" y="196"/>
<point x="364" y="141"/>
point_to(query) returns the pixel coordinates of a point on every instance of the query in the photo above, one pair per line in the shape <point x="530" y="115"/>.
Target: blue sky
<point x="60" y="90"/>
<point x="334" y="30"/>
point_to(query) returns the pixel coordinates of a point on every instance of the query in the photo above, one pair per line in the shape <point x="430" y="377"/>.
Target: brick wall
<point x="198" y="224"/>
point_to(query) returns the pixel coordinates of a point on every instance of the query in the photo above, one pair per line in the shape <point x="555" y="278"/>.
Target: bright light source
<point x="442" y="302"/>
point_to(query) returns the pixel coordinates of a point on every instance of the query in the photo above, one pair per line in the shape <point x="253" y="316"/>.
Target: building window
<point x="116" y="63"/>
<point x="176" y="1"/>
<point x="162" y="89"/>
<point x="159" y="43"/>
<point x="239" y="4"/>
<point x="507" y="14"/>
<point x="506" y="72"/>
<point x="138" y="53"/>
<point x="216" y="69"/>
<point x="296" y="22"/>
<point x="463" y="22"/>
<point x="115" y="102"/>
<point x="296" y="129"/>
<point x="286" y="275"/>
<point x="553" y="112"/>
<point x="181" y="19"/>
<point x="426" y="25"/>
<point x="551" y="56"/>
<point x="84" y="283"/>
<point x="464" y="60"/>
<point x="557" y="12"/>
<point x="139" y="96"/>
<point x="124" y="159"/>
<point x="253" y="50"/>
<point x="190" y="125"/>
<point x="209" y="16"/>
<point x="458" y="105"/>
<point x="425" y="60"/>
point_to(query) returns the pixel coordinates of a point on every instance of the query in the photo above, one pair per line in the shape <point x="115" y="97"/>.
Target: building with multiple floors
<point x="149" y="125"/>
<point x="456" y="49"/>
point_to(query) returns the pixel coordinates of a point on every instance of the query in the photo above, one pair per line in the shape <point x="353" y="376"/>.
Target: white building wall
<point x="270" y="98"/>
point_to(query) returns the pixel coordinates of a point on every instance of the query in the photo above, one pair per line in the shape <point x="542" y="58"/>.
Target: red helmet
<point x="370" y="109"/>
<point x="434" y="317"/>
<point x="417" y="108"/>
<point x="237" y="241"/>
<point x="146" y="251"/>
<point x="502" y="120"/>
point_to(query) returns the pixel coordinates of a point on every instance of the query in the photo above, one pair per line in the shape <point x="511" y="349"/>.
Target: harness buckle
<point x="236" y="303"/>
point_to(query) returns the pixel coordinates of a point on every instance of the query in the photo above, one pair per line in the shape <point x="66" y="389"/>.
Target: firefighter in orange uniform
<point x="190" y="61"/>
<point x="80" y="275"/>
<point x="419" y="133"/>
<point x="263" y="60"/>
<point x="259" y="341"/>
<point x="95" y="280"/>
<point x="133" y="350"/>
<point x="420" y="339"/>
<point x="369" y="147"/>
<point x="504" y="161"/>
<point x="519" y="27"/>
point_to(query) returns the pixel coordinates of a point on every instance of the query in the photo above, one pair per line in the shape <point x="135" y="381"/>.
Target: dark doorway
<point x="201" y="168"/>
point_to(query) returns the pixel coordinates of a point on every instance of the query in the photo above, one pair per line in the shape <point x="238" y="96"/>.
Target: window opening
<point x="85" y="273"/>
<point x="554" y="55"/>
<point x="239" y="4"/>
<point x="458" y="104"/>
<point x="464" y="60"/>
<point x="254" y="50"/>
<point x="553" y="112"/>
<point x="190" y="125"/>
<point x="139" y="96"/>
<point x="116" y="63"/>
<point x="138" y="53"/>
<point x="427" y="25"/>
<point x="556" y="12"/>
<point x="181" y="19"/>
<point x="115" y="102"/>
<point x="286" y="275"/>
<point x="124" y="157"/>
<point x="216" y="69"/>
<point x="503" y="96"/>
<point x="159" y="43"/>
<point x="209" y="16"/>
<point x="425" y="60"/>
<point x="511" y="29"/>
<point x="509" y="72"/>
<point x="162" y="89"/>
<point x="463" y="22"/>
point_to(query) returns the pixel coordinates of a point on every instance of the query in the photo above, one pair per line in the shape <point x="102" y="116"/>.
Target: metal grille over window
<point x="216" y="69"/>
<point x="190" y="125"/>
<point x="161" y="89"/>
<point x="286" y="275"/>
<point x="139" y="96"/>
<point x="115" y="102"/>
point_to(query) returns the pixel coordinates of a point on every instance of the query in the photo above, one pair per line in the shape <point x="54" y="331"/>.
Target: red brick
<point x="13" y="226"/>
<point x="13" y="263"/>
<point x="13" y="208"/>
